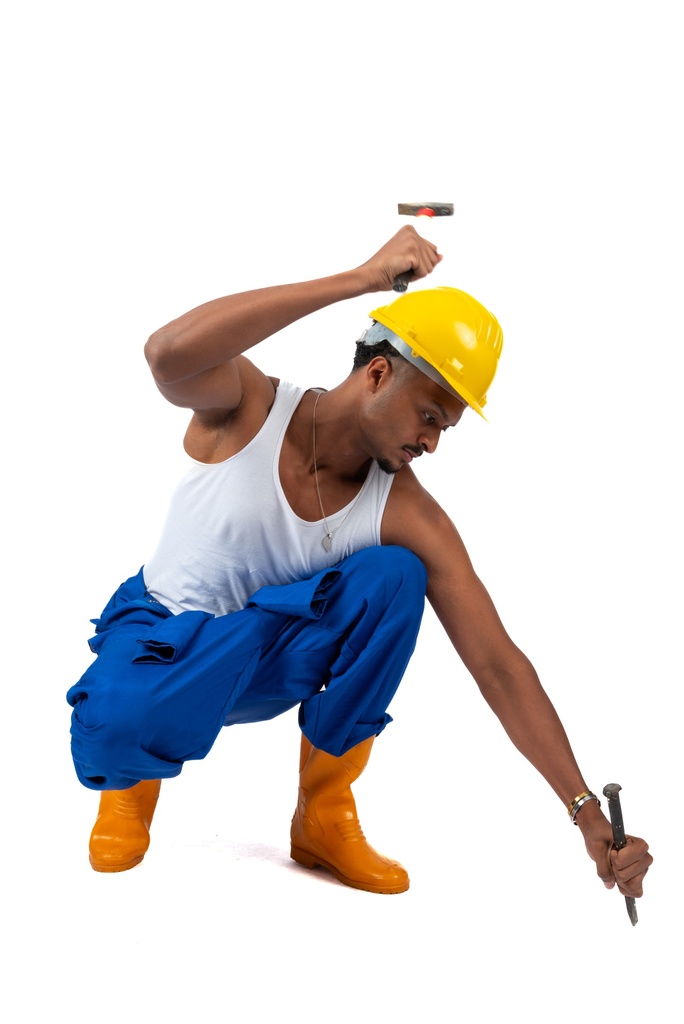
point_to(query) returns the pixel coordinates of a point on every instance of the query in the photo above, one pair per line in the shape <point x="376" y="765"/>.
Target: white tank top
<point x="230" y="529"/>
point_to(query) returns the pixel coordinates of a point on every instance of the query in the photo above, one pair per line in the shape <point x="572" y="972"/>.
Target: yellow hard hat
<point x="448" y="335"/>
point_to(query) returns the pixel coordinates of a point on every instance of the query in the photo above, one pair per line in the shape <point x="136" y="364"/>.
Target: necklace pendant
<point x="327" y="541"/>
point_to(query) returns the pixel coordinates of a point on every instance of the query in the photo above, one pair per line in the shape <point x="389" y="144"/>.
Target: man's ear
<point x="378" y="372"/>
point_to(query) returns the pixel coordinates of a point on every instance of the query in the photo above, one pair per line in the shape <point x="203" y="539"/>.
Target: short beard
<point x="387" y="467"/>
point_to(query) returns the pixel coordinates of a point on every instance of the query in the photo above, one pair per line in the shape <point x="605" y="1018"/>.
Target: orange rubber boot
<point x="325" y="829"/>
<point x="121" y="834"/>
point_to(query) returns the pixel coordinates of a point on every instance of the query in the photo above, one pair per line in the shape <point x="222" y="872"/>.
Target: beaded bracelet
<point x="574" y="807"/>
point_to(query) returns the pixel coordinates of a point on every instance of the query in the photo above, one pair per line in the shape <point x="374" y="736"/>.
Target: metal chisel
<point x="611" y="792"/>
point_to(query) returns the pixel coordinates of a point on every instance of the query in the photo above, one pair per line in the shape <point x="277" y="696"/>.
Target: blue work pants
<point x="163" y="685"/>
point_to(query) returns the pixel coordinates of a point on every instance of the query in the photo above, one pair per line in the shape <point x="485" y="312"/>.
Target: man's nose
<point x="428" y="441"/>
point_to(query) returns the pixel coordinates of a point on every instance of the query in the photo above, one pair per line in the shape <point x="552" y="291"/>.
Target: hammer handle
<point x="401" y="281"/>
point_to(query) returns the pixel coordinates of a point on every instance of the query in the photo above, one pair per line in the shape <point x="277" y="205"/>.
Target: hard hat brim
<point x="380" y="331"/>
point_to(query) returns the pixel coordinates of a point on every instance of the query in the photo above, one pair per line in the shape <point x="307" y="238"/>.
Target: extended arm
<point x="509" y="682"/>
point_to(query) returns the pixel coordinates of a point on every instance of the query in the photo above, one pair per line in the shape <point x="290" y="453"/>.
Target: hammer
<point x="425" y="211"/>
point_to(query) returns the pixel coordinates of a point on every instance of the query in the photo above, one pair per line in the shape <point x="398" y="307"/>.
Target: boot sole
<point x="308" y="860"/>
<point x="111" y="867"/>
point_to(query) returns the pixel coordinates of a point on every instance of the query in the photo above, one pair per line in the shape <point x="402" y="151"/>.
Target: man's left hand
<point x="625" y="868"/>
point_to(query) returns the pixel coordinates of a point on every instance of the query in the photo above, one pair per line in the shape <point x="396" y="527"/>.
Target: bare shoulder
<point x="414" y="519"/>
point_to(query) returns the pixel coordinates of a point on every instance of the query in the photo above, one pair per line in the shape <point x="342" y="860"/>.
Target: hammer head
<point x="429" y="209"/>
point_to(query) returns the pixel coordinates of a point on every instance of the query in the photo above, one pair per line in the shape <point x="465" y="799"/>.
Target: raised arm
<point x="192" y="359"/>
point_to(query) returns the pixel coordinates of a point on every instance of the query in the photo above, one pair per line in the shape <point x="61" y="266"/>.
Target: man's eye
<point x="429" y="418"/>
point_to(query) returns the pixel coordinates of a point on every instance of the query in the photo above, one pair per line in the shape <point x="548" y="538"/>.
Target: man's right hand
<point x="406" y="252"/>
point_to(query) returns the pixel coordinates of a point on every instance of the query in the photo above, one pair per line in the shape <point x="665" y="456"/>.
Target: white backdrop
<point x="159" y="155"/>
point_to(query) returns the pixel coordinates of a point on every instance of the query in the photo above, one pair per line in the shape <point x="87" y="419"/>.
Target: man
<point x="293" y="568"/>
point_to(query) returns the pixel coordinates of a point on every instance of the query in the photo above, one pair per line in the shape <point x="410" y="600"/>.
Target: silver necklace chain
<point x="329" y="534"/>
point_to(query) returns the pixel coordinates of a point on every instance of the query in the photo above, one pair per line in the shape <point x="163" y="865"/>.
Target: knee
<point x="105" y="743"/>
<point x="393" y="568"/>
<point x="406" y="566"/>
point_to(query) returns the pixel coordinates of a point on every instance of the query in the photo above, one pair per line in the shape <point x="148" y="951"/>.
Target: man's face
<point x="406" y="415"/>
